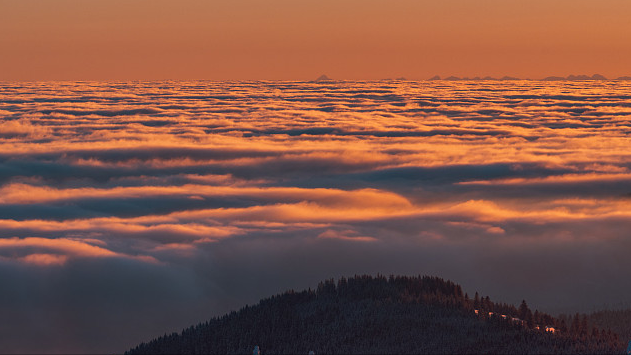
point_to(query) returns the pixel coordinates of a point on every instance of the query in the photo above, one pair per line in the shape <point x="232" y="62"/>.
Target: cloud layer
<point x="155" y="205"/>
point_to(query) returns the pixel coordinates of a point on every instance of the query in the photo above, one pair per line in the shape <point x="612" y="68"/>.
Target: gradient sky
<point x="288" y="39"/>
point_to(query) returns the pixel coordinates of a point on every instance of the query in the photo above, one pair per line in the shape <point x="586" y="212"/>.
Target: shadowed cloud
<point x="155" y="205"/>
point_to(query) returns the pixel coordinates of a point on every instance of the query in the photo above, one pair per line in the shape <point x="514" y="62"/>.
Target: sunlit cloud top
<point x="212" y="185"/>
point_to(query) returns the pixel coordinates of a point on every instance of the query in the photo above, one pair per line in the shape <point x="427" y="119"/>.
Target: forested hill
<point x="365" y="314"/>
<point x="619" y="321"/>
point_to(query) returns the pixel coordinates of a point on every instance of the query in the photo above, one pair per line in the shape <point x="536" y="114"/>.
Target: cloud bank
<point x="151" y="206"/>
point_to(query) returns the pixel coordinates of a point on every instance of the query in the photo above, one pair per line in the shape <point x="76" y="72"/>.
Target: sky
<point x="133" y="209"/>
<point x="299" y="40"/>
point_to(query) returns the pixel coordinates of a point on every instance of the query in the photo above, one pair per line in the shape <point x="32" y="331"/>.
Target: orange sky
<point x="289" y="39"/>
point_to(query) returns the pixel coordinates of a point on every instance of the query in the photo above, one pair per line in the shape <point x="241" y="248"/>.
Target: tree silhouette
<point x="365" y="314"/>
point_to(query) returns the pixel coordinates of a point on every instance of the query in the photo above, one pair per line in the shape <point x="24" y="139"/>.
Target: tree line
<point x="386" y="315"/>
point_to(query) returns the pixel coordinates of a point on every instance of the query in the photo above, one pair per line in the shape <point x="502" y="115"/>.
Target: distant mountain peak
<point x="575" y="77"/>
<point x="323" y="77"/>
<point x="571" y="77"/>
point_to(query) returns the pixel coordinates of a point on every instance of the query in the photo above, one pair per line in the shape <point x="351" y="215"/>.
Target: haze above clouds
<point x="298" y="40"/>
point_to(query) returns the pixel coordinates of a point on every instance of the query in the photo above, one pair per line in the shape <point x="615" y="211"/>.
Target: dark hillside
<point x="365" y="314"/>
<point x="619" y="321"/>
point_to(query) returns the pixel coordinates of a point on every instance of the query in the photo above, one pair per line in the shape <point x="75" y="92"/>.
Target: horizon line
<point x="557" y="79"/>
<point x="325" y="78"/>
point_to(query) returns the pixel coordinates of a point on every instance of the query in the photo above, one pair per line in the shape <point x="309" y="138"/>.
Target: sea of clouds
<point x="131" y="209"/>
